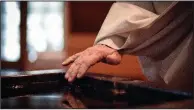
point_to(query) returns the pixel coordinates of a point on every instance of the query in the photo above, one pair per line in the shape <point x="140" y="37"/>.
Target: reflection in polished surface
<point x="49" y="90"/>
<point x="77" y="100"/>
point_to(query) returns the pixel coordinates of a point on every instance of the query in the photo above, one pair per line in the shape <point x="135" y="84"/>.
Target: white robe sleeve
<point x="123" y="19"/>
<point x="163" y="42"/>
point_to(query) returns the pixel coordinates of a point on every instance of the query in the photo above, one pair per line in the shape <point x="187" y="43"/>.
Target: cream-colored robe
<point x="160" y="33"/>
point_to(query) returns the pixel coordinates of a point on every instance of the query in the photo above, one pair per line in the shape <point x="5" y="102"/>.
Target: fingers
<point x="72" y="72"/>
<point x="77" y="69"/>
<point x="87" y="61"/>
<point x="83" y="68"/>
<point x="82" y="62"/>
<point x="70" y="59"/>
<point x="67" y="75"/>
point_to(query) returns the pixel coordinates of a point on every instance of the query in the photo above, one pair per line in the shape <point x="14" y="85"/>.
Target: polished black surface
<point x="48" y="89"/>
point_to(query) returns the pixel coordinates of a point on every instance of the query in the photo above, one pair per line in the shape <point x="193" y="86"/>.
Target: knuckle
<point x="77" y="62"/>
<point x="85" y="65"/>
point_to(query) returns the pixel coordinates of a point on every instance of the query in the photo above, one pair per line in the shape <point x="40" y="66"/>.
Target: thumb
<point x="114" y="58"/>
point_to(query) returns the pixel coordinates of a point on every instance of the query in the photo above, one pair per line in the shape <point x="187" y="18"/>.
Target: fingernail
<point x="78" y="75"/>
<point x="66" y="76"/>
<point x="70" y="79"/>
<point x="64" y="62"/>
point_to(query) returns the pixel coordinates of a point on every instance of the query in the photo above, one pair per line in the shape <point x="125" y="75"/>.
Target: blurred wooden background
<point x="82" y="21"/>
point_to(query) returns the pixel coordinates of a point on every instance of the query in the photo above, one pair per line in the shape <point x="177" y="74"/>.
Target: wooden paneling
<point x="88" y="16"/>
<point x="82" y="23"/>
<point x="23" y="33"/>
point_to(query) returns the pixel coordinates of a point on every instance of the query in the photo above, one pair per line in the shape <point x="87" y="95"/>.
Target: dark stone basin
<point x="49" y="90"/>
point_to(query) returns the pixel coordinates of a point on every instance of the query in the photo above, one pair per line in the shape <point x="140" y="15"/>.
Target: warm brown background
<point x="82" y="23"/>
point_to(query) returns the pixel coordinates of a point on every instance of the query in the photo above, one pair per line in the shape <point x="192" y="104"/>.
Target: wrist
<point x="104" y="45"/>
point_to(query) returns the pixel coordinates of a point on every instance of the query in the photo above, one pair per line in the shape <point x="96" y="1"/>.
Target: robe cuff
<point x="114" y="42"/>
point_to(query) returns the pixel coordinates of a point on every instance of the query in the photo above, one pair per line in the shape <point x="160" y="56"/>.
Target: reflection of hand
<point x="85" y="59"/>
<point x="72" y="102"/>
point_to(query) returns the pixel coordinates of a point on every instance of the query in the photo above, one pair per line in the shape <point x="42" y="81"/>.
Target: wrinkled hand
<point x="82" y="61"/>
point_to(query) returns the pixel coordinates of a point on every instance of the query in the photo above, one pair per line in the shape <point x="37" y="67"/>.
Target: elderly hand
<point x="85" y="59"/>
